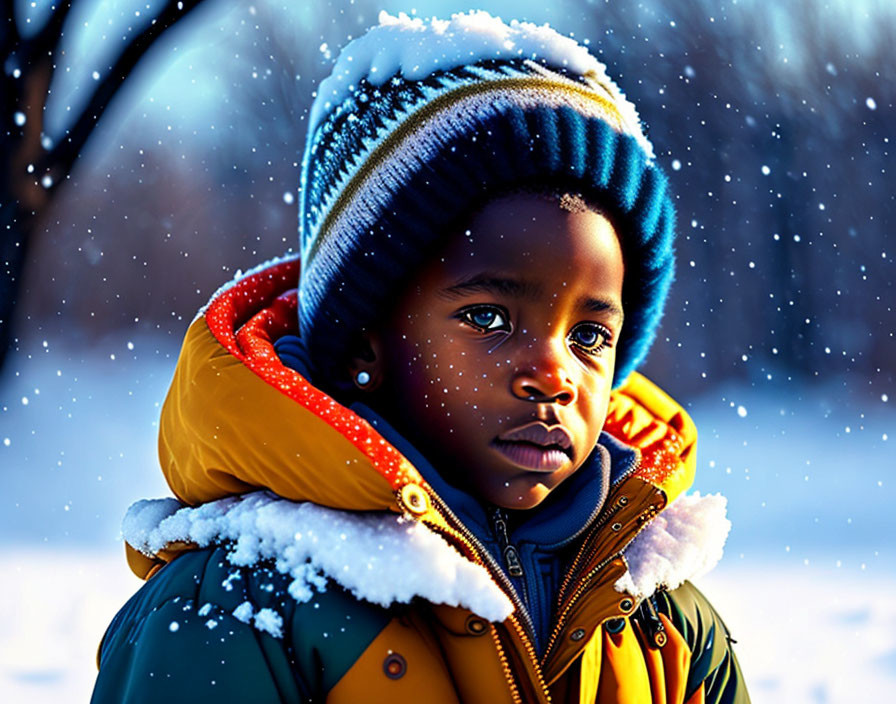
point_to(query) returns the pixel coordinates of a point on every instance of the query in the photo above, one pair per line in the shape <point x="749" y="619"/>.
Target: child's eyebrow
<point x="602" y="305"/>
<point x="492" y="283"/>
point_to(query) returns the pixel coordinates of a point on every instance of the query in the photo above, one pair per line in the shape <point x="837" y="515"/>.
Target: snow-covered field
<point x="806" y="585"/>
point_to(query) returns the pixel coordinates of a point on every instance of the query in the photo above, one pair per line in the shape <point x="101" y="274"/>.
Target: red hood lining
<point x="247" y="316"/>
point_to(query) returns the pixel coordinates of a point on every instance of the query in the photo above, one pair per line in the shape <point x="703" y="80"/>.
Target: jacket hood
<point x="286" y="478"/>
<point x="236" y="419"/>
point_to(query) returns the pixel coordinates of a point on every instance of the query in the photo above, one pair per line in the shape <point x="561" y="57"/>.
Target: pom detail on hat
<point x="415" y="48"/>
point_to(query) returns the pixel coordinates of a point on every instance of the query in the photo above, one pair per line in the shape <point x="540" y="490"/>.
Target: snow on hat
<point x="420" y="120"/>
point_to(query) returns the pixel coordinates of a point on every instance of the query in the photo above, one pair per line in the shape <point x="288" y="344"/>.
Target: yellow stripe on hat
<point x="428" y="110"/>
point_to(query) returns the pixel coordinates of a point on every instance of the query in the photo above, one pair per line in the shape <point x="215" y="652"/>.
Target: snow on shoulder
<point x="381" y="558"/>
<point x="683" y="542"/>
<point x="387" y="559"/>
<point x="416" y="48"/>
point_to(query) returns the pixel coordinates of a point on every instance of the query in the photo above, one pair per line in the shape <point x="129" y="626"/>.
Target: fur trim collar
<point x="386" y="559"/>
<point x="380" y="557"/>
<point x="683" y="542"/>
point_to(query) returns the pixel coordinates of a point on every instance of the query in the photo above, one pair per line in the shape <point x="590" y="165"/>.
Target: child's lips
<point x="536" y="446"/>
<point x="531" y="456"/>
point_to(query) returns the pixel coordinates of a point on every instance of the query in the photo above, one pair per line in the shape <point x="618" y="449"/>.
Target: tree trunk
<point x="31" y="166"/>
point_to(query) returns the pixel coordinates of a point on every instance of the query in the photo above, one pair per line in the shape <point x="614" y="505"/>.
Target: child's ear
<point x="365" y="366"/>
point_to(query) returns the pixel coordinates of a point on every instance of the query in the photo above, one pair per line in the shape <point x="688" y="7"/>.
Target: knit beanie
<point x="420" y="121"/>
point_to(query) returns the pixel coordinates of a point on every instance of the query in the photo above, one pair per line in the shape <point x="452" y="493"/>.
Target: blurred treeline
<point x="773" y="120"/>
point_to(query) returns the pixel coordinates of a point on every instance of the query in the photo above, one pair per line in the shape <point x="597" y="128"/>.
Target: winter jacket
<point x="312" y="555"/>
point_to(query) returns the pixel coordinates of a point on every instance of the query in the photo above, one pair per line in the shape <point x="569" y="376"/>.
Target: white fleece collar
<point x="683" y="542"/>
<point x="387" y="559"/>
<point x="382" y="558"/>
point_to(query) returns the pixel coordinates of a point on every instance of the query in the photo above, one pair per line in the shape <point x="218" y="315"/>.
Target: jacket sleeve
<point x="715" y="676"/>
<point x="171" y="643"/>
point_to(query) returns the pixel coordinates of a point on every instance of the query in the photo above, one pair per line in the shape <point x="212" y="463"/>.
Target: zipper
<point x="482" y="553"/>
<point x="584" y="582"/>
<point x="588" y="524"/>
<point x="508" y="550"/>
<point x="602" y="520"/>
<point x="508" y="671"/>
<point x="525" y="630"/>
<point x="520" y="620"/>
<point x="581" y="589"/>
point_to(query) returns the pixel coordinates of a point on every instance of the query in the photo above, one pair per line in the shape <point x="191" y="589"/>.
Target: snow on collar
<point x="683" y="542"/>
<point x="379" y="557"/>
<point x="385" y="558"/>
<point x="416" y="48"/>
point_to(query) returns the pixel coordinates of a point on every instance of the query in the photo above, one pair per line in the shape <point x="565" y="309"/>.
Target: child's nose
<point x="544" y="381"/>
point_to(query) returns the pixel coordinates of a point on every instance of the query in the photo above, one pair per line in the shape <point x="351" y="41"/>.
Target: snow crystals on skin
<point x="683" y="542"/>
<point x="416" y="48"/>
<point x="381" y="558"/>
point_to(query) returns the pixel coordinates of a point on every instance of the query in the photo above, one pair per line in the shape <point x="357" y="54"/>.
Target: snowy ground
<point x="806" y="585"/>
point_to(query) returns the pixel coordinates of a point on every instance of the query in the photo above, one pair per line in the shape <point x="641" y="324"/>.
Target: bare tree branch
<point x="47" y="39"/>
<point x="11" y="35"/>
<point x="31" y="170"/>
<point x="61" y="157"/>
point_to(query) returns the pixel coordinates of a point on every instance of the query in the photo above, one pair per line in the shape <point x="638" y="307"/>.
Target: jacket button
<point x="616" y="527"/>
<point x="476" y="626"/>
<point x="414" y="499"/>
<point x="577" y="634"/>
<point x="623" y="500"/>
<point x="615" y="625"/>
<point x="626" y="605"/>
<point x="394" y="666"/>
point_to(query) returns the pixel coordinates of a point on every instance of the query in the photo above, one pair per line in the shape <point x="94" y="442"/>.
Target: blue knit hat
<point x="421" y="121"/>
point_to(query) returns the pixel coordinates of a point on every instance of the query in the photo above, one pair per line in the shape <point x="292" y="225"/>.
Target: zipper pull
<point x="653" y="626"/>
<point x="511" y="556"/>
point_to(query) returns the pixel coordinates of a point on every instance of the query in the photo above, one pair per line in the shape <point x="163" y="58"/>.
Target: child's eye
<point x="590" y="337"/>
<point x="487" y="318"/>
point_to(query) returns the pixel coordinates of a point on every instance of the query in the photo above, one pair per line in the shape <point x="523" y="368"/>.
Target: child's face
<point x="499" y="361"/>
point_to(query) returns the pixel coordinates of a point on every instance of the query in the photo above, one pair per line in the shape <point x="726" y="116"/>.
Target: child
<point x="450" y="485"/>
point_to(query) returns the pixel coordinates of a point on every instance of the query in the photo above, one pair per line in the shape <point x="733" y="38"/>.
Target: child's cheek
<point x="441" y="384"/>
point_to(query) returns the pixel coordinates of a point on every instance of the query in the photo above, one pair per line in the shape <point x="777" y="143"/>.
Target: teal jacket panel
<point x="178" y="638"/>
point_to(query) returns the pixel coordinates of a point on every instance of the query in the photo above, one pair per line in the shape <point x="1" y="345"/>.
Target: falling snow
<point x="782" y="305"/>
